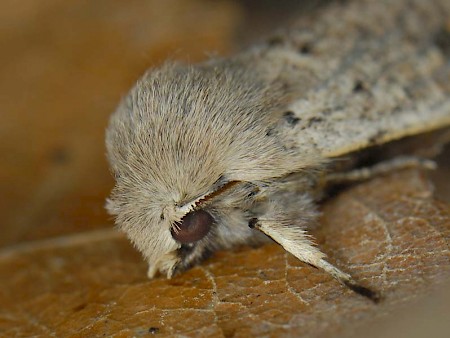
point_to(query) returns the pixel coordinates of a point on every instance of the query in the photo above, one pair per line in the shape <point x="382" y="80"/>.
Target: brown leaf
<point x="389" y="233"/>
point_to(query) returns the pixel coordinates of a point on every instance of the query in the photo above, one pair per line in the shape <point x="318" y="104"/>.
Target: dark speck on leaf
<point x="59" y="156"/>
<point x="153" y="330"/>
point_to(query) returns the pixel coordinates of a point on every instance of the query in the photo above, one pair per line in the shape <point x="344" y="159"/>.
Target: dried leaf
<point x="389" y="233"/>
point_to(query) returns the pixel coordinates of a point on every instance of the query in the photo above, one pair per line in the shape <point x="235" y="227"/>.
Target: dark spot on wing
<point x="290" y="118"/>
<point x="253" y="193"/>
<point x="314" y="120"/>
<point x="359" y="87"/>
<point x="275" y="41"/>
<point x="305" y="48"/>
<point x="442" y="41"/>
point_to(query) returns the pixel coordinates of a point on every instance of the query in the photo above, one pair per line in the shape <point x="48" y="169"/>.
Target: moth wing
<point x="336" y="137"/>
<point x="363" y="83"/>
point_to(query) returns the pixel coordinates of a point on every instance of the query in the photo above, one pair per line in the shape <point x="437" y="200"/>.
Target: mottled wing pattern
<point x="379" y="72"/>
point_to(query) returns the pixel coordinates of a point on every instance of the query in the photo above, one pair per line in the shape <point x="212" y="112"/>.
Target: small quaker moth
<point x="206" y="155"/>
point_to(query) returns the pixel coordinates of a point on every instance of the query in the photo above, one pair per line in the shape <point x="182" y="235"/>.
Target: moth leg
<point x="381" y="168"/>
<point x="297" y="242"/>
<point x="165" y="265"/>
<point x="151" y="271"/>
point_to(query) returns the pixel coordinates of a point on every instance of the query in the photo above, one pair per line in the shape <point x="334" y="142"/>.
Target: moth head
<point x="177" y="233"/>
<point x="189" y="147"/>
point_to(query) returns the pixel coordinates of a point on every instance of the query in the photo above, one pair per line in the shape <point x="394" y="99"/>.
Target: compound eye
<point x="192" y="227"/>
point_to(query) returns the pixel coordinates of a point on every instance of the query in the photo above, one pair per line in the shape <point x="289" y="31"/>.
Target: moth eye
<point x="192" y="227"/>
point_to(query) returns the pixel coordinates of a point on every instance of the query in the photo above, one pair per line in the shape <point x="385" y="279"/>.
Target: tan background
<point x="64" y="66"/>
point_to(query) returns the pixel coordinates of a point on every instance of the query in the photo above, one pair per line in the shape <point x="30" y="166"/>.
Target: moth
<point x="238" y="150"/>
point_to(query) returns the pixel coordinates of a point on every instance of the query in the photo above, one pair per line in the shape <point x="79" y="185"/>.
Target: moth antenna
<point x="176" y="227"/>
<point x="296" y="241"/>
<point x="195" y="203"/>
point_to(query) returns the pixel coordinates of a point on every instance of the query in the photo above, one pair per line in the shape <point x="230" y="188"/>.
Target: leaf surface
<point x="390" y="233"/>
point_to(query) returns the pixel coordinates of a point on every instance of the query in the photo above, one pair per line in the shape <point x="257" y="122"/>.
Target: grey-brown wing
<point x="365" y="73"/>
